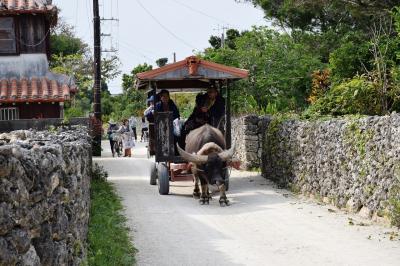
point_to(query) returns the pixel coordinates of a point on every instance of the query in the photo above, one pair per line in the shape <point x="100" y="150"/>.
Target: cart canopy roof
<point x="191" y="73"/>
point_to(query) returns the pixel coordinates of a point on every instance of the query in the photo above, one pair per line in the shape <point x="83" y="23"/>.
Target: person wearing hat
<point x="112" y="127"/>
<point x="127" y="138"/>
<point x="149" y="112"/>
<point x="167" y="105"/>
<point x="210" y="108"/>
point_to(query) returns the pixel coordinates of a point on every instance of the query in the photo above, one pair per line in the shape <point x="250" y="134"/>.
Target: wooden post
<point x="228" y="137"/>
<point x="97" y="81"/>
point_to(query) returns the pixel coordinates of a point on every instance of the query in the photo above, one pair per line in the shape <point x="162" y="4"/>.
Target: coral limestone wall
<point x="352" y="163"/>
<point x="44" y="197"/>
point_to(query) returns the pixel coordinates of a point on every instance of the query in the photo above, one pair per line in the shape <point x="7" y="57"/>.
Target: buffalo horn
<point x="194" y="158"/>
<point x="228" y="154"/>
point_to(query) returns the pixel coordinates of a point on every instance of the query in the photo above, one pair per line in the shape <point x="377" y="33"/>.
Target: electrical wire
<point x="202" y="13"/>
<point x="165" y="28"/>
<point x="153" y="54"/>
<point x="136" y="53"/>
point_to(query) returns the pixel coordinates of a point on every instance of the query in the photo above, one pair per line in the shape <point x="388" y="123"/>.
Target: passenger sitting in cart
<point x="167" y="105"/>
<point x="209" y="109"/>
<point x="149" y="112"/>
<point x="164" y="105"/>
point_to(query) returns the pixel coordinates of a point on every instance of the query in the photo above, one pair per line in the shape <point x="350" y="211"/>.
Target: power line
<point x="165" y="28"/>
<point x="153" y="54"/>
<point x="201" y="12"/>
<point x="136" y="53"/>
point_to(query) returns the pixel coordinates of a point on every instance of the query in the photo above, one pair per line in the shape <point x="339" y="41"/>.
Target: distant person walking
<point x="112" y="127"/>
<point x="127" y="138"/>
<point x="133" y="125"/>
<point x="145" y="130"/>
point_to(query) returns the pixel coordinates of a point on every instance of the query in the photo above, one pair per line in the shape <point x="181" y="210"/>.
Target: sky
<point x="150" y="29"/>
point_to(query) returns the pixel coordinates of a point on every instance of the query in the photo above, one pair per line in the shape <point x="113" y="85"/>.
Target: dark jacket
<point x="111" y="128"/>
<point x="171" y="108"/>
<point x="214" y="113"/>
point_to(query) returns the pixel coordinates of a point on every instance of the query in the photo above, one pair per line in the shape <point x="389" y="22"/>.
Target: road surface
<point x="263" y="226"/>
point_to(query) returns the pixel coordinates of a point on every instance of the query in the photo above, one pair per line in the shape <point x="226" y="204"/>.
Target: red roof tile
<point x="34" y="90"/>
<point x="26" y="6"/>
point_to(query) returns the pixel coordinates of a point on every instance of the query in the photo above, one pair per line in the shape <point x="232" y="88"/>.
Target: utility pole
<point x="174" y="57"/>
<point x="223" y="28"/>
<point x="223" y="36"/>
<point x="97" y="81"/>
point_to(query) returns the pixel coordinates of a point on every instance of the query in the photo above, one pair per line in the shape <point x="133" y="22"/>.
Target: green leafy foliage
<point x="354" y="96"/>
<point x="280" y="70"/>
<point x="352" y="57"/>
<point x="185" y="102"/>
<point x="72" y="57"/>
<point x="322" y="15"/>
<point x="64" y="42"/>
<point x="129" y="79"/>
<point x="162" y="61"/>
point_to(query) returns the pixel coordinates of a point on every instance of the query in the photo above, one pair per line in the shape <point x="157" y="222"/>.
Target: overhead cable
<point x="201" y="12"/>
<point x="165" y="28"/>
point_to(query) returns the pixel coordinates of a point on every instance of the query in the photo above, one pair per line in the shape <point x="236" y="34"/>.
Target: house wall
<point x="32" y="31"/>
<point x="34" y="110"/>
<point x="26" y="65"/>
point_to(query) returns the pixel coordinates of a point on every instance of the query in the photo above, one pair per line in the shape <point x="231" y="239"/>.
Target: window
<point x="9" y="114"/>
<point x="7" y="36"/>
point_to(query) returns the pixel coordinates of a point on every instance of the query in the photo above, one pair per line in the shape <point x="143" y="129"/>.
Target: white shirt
<point x="132" y="122"/>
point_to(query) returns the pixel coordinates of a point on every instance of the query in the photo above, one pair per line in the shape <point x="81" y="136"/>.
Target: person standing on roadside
<point x="112" y="127"/>
<point x="127" y="138"/>
<point x="132" y="125"/>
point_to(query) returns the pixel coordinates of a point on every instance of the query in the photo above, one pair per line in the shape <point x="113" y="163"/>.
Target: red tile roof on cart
<point x="26" y="6"/>
<point x="192" y="66"/>
<point x="34" y="90"/>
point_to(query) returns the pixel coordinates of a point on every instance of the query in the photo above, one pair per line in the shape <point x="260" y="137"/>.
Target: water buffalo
<point x="206" y="151"/>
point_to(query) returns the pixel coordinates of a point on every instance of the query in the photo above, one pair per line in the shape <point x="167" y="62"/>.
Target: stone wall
<point x="351" y="163"/>
<point x="44" y="197"/>
<point x="39" y="124"/>
<point x="247" y="133"/>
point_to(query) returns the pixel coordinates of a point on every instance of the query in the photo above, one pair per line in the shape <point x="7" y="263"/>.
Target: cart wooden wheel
<point x="163" y="179"/>
<point x="153" y="174"/>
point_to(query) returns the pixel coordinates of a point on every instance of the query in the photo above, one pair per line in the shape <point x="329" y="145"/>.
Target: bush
<point x="185" y="102"/>
<point x="355" y="96"/>
<point x="99" y="173"/>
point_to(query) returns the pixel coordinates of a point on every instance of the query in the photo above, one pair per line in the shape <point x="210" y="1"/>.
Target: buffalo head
<point x="210" y="161"/>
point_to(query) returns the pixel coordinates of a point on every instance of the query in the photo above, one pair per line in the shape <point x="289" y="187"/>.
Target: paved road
<point x="263" y="226"/>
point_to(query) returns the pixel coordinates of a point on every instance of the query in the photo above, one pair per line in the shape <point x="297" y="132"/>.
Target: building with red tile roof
<point x="27" y="88"/>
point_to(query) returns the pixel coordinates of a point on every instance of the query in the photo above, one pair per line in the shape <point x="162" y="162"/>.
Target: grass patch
<point x="109" y="241"/>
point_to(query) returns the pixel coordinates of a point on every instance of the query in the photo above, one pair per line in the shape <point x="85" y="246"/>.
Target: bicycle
<point x="117" y="138"/>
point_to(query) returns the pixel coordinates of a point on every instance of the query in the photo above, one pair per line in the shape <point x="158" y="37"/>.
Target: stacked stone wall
<point x="247" y="133"/>
<point x="44" y="197"/>
<point x="351" y="163"/>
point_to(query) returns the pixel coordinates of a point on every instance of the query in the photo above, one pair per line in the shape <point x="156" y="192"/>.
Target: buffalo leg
<point x="223" y="200"/>
<point x="196" y="191"/>
<point x="204" y="199"/>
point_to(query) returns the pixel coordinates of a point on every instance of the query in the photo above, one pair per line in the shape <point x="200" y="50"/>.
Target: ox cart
<point x="189" y="75"/>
